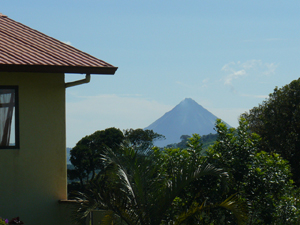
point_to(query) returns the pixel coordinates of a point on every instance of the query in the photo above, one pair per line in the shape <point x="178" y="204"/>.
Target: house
<point x="33" y="170"/>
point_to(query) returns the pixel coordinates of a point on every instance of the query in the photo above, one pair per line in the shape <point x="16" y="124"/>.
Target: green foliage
<point x="3" y="221"/>
<point x="144" y="185"/>
<point x="277" y="121"/>
<point x="261" y="178"/>
<point x="86" y="156"/>
<point x="149" y="189"/>
<point x="141" y="139"/>
<point x="199" y="192"/>
<point x="206" y="140"/>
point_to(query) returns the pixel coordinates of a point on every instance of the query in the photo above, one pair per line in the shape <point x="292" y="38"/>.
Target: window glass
<point x="8" y="117"/>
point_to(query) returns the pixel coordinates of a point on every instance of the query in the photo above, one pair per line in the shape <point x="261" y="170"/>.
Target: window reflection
<point x="8" y="97"/>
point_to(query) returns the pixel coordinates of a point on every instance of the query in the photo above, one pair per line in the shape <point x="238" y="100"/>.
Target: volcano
<point x="186" y="118"/>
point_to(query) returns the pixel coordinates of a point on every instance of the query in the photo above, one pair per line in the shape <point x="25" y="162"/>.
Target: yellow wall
<point x="34" y="177"/>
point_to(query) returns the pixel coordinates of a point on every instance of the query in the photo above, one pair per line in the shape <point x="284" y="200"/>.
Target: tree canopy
<point x="263" y="179"/>
<point x="86" y="156"/>
<point x="236" y="181"/>
<point x="277" y="121"/>
<point x="148" y="189"/>
<point x="207" y="140"/>
<point x="141" y="139"/>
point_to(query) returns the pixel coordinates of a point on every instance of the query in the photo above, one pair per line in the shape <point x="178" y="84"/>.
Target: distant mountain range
<point x="187" y="118"/>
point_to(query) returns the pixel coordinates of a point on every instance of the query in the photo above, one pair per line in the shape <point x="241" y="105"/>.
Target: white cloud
<point x="93" y="113"/>
<point x="234" y="75"/>
<point x="251" y="64"/>
<point x="228" y="66"/>
<point x="252" y="68"/>
<point x="205" y="83"/>
<point x="67" y="42"/>
<point x="270" y="68"/>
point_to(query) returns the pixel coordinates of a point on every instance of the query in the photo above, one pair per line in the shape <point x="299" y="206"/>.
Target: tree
<point x="86" y="155"/>
<point x="263" y="179"/>
<point x="277" y="121"/>
<point x="183" y="141"/>
<point x="141" y="139"/>
<point x="207" y="140"/>
<point x="143" y="189"/>
<point x="210" y="190"/>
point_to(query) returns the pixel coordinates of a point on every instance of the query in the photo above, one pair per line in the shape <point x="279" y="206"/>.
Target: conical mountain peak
<point x="186" y="118"/>
<point x="188" y="104"/>
<point x="188" y="101"/>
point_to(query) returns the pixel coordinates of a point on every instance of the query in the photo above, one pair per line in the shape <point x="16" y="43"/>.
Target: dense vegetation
<point x="153" y="187"/>
<point x="277" y="121"/>
<point x="86" y="156"/>
<point x="262" y="179"/>
<point x="206" y="141"/>
<point x="244" y="175"/>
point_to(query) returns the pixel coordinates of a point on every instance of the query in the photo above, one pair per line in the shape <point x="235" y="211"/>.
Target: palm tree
<point x="134" y="190"/>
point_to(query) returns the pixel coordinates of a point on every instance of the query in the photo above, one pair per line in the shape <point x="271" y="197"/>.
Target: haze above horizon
<point x="226" y="55"/>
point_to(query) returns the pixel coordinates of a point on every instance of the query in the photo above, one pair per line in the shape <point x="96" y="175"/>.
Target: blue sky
<point x="226" y="55"/>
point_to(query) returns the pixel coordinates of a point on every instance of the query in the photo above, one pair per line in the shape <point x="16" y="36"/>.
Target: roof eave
<point x="57" y="69"/>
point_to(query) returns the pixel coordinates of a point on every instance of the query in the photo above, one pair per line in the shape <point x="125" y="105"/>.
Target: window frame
<point x="16" y="121"/>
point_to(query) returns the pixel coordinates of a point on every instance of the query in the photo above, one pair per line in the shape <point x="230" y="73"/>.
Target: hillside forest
<point x="244" y="175"/>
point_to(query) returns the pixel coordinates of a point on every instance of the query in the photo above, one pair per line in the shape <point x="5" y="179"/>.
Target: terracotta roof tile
<point x="25" y="49"/>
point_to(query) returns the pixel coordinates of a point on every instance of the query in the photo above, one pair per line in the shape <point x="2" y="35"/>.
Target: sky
<point x="226" y="55"/>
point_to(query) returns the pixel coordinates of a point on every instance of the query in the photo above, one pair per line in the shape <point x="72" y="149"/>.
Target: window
<point x="9" y="123"/>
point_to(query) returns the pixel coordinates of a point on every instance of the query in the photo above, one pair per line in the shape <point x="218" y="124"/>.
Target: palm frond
<point x="179" y="180"/>
<point x="237" y="207"/>
<point x="194" y="209"/>
<point x="131" y="187"/>
<point x="232" y="203"/>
